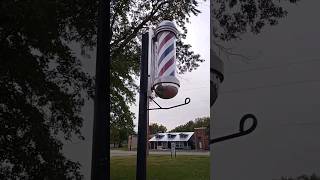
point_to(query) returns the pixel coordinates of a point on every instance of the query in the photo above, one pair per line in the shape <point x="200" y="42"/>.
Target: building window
<point x="179" y="144"/>
<point x="159" y="136"/>
<point x="182" y="135"/>
<point x="170" y="136"/>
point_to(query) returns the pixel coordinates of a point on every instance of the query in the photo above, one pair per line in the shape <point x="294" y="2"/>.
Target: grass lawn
<point x="162" y="167"/>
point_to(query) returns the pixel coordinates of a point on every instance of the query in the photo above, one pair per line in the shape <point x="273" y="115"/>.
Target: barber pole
<point x="166" y="84"/>
<point x="166" y="54"/>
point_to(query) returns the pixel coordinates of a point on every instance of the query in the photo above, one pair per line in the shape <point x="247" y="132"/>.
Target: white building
<point x="183" y="140"/>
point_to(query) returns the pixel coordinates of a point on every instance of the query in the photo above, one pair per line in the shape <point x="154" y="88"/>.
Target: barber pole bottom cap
<point x="166" y="87"/>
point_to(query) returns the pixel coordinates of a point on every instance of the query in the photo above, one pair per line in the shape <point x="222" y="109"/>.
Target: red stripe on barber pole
<point x="166" y="66"/>
<point x="165" y="40"/>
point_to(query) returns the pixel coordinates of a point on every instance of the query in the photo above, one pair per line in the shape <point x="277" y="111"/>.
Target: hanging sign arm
<point x="186" y="101"/>
<point x="241" y="132"/>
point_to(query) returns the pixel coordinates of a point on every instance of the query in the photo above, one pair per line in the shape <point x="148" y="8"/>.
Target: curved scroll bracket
<point x="186" y="101"/>
<point x="241" y="132"/>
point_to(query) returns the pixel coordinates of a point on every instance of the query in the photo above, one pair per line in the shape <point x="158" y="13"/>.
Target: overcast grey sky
<point x="281" y="87"/>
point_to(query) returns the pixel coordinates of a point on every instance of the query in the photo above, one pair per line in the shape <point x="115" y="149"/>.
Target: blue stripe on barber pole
<point x="166" y="66"/>
<point x="167" y="38"/>
<point x="165" y="53"/>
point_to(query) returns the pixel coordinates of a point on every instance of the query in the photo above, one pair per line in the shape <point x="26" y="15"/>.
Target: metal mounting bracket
<point x="186" y="101"/>
<point x="241" y="132"/>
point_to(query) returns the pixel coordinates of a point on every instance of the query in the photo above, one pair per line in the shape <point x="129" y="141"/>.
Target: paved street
<point x="133" y="153"/>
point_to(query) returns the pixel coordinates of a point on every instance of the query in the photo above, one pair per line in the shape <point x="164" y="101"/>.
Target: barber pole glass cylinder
<point x="166" y="84"/>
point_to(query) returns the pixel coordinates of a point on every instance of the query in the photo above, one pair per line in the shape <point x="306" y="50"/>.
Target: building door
<point x="199" y="143"/>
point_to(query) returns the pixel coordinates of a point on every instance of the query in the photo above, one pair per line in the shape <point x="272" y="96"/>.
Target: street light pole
<point x="100" y="166"/>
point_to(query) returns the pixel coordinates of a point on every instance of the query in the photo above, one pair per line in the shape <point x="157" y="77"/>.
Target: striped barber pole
<point x="166" y="85"/>
<point x="166" y="54"/>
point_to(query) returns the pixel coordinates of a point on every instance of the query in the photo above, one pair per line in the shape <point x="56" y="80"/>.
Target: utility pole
<point x="100" y="166"/>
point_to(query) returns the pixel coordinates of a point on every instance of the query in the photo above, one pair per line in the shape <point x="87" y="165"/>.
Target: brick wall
<point x="201" y="139"/>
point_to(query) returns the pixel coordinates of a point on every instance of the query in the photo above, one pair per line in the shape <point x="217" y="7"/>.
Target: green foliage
<point x="41" y="85"/>
<point x="156" y="128"/>
<point x="233" y="18"/>
<point x="120" y="130"/>
<point x="131" y="17"/>
<point x="189" y="126"/>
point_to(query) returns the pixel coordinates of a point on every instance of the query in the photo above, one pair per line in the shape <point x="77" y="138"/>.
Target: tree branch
<point x="128" y="36"/>
<point x="116" y="12"/>
<point x="229" y="52"/>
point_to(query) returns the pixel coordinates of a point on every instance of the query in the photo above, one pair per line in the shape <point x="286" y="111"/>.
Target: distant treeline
<point x="189" y="126"/>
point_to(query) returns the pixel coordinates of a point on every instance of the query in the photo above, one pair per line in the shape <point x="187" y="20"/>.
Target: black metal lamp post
<point x="141" y="169"/>
<point x="100" y="166"/>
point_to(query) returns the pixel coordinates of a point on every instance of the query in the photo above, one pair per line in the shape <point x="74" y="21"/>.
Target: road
<point x="133" y="153"/>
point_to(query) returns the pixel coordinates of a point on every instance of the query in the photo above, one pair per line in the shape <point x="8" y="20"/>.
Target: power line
<point x="276" y="67"/>
<point x="187" y="80"/>
<point x="265" y="68"/>
<point x="192" y="89"/>
<point x="271" y="86"/>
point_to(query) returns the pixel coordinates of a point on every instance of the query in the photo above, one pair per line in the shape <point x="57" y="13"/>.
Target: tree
<point x="156" y="128"/>
<point x="120" y="131"/>
<point x="233" y="18"/>
<point x="42" y="85"/>
<point x="189" y="126"/>
<point x="114" y="136"/>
